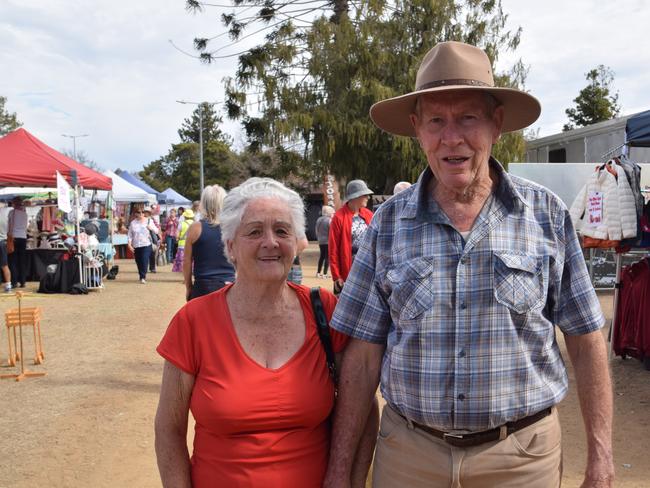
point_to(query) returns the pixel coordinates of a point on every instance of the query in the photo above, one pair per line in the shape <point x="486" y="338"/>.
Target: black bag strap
<point x="324" y="331"/>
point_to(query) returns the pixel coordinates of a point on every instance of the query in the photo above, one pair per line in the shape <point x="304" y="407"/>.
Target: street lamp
<point x="74" y="143"/>
<point x="200" y="105"/>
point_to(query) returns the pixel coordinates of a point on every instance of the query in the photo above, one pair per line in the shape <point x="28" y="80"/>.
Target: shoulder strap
<point x="323" y="331"/>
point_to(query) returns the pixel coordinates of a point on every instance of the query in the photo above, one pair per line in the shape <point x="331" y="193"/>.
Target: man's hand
<point x="599" y="474"/>
<point x="188" y="293"/>
<point x="130" y="247"/>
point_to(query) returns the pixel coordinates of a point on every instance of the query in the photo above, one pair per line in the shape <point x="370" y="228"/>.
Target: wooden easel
<point x="23" y="372"/>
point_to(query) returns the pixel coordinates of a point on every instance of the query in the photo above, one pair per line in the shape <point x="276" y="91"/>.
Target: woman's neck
<point x="267" y="297"/>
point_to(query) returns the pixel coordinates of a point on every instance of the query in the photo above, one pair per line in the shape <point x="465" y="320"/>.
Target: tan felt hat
<point x="455" y="66"/>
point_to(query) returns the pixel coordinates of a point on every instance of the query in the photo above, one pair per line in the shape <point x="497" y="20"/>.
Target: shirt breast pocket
<point x="518" y="281"/>
<point x="410" y="284"/>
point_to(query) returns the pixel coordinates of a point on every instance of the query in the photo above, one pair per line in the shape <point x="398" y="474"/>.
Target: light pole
<point x="74" y="143"/>
<point x="200" y="105"/>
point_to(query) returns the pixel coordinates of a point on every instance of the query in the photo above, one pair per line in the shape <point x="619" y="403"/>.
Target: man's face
<point x="456" y="132"/>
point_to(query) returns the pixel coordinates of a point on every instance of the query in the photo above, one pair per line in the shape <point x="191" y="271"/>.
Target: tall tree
<point x="8" y="121"/>
<point x="595" y="102"/>
<point x="322" y="64"/>
<point x="179" y="168"/>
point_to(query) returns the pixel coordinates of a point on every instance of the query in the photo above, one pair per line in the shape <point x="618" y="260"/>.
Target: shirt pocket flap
<point x="411" y="270"/>
<point x="520" y="262"/>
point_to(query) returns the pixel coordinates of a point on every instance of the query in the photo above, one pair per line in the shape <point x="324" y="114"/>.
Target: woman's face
<point x="265" y="242"/>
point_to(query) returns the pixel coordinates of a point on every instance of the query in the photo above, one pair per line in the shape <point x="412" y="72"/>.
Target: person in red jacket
<point x="347" y="228"/>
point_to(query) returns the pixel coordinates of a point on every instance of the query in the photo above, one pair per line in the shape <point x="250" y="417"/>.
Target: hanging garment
<point x="632" y="334"/>
<point x="604" y="207"/>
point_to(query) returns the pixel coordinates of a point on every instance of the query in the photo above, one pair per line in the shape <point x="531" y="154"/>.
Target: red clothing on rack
<point x="632" y="337"/>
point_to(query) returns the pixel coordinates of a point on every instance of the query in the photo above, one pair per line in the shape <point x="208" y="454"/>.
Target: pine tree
<point x="321" y="66"/>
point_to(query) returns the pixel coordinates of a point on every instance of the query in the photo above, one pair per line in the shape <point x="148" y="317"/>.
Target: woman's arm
<point x="193" y="234"/>
<point x="171" y="428"/>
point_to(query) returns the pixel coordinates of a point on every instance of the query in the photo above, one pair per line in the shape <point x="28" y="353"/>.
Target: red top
<point x="255" y="427"/>
<point x="340" y="241"/>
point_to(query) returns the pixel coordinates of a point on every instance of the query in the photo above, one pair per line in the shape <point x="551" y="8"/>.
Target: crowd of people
<point x="449" y="295"/>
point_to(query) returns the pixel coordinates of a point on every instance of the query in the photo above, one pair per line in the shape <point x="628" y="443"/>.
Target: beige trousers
<point x="408" y="457"/>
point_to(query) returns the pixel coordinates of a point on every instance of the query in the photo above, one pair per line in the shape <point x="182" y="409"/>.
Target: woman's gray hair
<point x="239" y="197"/>
<point x="211" y="203"/>
<point x="327" y="210"/>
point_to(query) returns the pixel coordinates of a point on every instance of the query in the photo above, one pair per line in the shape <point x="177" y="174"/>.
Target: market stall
<point x="27" y="161"/>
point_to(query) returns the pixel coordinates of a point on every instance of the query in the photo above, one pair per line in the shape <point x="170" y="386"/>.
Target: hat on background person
<point x="355" y="189"/>
<point x="147" y="209"/>
<point x="188" y="214"/>
<point x="455" y="66"/>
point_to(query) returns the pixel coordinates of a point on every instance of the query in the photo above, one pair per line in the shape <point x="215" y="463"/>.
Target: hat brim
<point x="357" y="195"/>
<point x="393" y="114"/>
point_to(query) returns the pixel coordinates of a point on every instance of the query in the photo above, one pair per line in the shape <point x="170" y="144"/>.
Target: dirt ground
<point x="89" y="421"/>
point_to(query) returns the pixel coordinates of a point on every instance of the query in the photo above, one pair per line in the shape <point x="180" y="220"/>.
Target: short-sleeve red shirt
<point x="255" y="427"/>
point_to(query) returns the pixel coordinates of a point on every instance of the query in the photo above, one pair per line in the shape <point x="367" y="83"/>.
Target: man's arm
<point x="588" y="355"/>
<point x="358" y="382"/>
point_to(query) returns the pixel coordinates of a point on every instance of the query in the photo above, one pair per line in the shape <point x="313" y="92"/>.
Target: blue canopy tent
<point x="175" y="199"/>
<point x="637" y="130"/>
<point x="160" y="198"/>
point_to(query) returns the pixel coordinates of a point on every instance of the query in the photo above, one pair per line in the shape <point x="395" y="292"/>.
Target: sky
<point x="114" y="69"/>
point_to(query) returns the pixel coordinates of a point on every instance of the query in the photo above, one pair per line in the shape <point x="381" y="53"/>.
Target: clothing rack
<point x="618" y="258"/>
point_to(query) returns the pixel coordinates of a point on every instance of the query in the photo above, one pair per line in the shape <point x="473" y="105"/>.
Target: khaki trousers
<point x="408" y="457"/>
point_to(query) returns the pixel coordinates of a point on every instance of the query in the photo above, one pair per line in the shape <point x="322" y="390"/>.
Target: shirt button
<point x="461" y="397"/>
<point x="464" y="260"/>
<point x="463" y="306"/>
<point x="461" y="354"/>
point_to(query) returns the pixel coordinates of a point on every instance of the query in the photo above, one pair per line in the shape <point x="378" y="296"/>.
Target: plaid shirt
<point x="469" y="325"/>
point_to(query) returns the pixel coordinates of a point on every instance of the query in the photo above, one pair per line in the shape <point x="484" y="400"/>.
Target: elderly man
<point x="453" y="299"/>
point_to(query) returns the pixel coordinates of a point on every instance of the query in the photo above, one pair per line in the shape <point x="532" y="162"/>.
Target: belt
<point x="470" y="439"/>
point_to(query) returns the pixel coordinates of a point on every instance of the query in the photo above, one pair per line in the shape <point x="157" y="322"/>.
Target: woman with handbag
<point x="139" y="243"/>
<point x="155" y="238"/>
<point x="248" y="362"/>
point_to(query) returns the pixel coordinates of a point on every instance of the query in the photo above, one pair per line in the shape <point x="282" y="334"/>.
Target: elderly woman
<point x="248" y="362"/>
<point x="204" y="252"/>
<point x="347" y="229"/>
<point x="139" y="242"/>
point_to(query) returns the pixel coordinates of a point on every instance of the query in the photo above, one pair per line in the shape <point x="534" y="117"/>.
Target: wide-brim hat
<point x="455" y="66"/>
<point x="355" y="189"/>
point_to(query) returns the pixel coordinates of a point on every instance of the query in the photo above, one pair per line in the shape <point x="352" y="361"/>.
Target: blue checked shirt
<point x="469" y="325"/>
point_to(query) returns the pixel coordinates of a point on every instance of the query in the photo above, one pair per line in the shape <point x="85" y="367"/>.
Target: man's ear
<point x="497" y="119"/>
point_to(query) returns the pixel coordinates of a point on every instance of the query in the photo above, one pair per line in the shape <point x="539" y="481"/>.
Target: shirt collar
<point x="418" y="203"/>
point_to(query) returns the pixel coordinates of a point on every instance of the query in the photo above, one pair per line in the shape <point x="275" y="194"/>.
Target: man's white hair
<point x="400" y="186"/>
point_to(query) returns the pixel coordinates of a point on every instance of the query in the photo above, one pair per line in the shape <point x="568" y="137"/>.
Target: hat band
<point x="458" y="81"/>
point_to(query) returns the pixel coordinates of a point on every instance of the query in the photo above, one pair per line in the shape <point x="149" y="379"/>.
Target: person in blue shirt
<point x="453" y="300"/>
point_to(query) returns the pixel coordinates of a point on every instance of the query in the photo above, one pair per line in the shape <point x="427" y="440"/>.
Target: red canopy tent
<point x="27" y="161"/>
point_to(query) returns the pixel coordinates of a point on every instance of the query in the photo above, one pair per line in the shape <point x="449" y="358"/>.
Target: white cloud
<point x="107" y="68"/>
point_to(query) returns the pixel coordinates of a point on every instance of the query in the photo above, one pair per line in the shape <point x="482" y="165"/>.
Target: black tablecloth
<point x="38" y="261"/>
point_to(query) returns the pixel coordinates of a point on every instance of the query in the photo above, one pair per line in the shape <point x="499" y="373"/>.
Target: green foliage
<point x="179" y="168"/>
<point x="8" y="121"/>
<point x="321" y="66"/>
<point x="595" y="102"/>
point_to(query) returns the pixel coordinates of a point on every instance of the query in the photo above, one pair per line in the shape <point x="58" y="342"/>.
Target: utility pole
<point x="74" y="143"/>
<point x="200" y="105"/>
